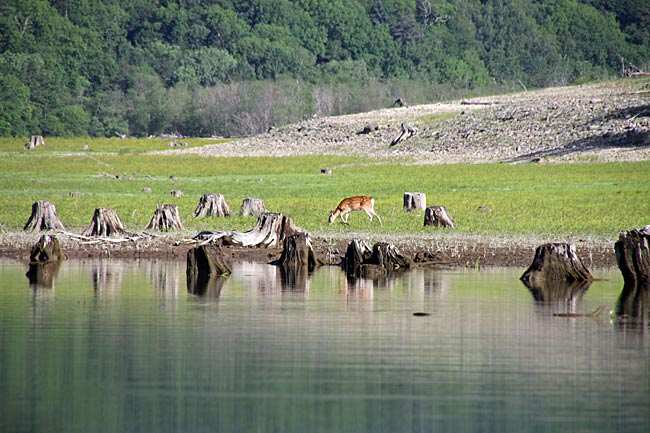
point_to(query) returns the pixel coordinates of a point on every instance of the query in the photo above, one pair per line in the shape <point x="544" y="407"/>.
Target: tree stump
<point x="363" y="262"/>
<point x="35" y="140"/>
<point x="414" y="201"/>
<point x="357" y="253"/>
<point x="46" y="249"/>
<point x="43" y="217"/>
<point x="555" y="263"/>
<point x="205" y="270"/>
<point x="176" y="193"/>
<point x="298" y="252"/>
<point x="105" y="222"/>
<point x="271" y="229"/>
<point x="407" y="132"/>
<point x="252" y="207"/>
<point x="212" y="205"/>
<point x="633" y="259"/>
<point x="165" y="218"/>
<point x="438" y="216"/>
<point x="371" y="127"/>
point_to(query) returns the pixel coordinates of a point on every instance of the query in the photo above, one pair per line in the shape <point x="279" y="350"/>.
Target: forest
<point x="232" y="68"/>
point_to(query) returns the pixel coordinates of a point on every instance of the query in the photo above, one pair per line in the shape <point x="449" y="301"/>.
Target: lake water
<point x="121" y="346"/>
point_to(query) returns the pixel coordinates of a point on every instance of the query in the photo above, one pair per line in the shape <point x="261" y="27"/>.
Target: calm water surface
<point x="121" y="346"/>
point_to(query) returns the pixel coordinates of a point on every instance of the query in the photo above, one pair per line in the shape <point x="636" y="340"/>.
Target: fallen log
<point x="555" y="262"/>
<point x="438" y="216"/>
<point x="407" y="132"/>
<point x="633" y="259"/>
<point x="271" y="230"/>
<point x="43" y="217"/>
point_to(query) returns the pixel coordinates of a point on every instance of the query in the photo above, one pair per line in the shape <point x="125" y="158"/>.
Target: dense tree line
<point x="232" y="67"/>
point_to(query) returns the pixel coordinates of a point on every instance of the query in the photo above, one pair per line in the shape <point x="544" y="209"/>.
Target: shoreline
<point x="444" y="251"/>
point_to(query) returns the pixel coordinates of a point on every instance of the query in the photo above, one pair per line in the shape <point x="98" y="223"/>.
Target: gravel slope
<point x="598" y="122"/>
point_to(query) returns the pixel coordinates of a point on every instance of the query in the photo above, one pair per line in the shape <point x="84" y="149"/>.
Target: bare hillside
<point x="598" y="122"/>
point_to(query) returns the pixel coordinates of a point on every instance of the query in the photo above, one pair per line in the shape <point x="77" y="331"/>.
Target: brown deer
<point x="359" y="202"/>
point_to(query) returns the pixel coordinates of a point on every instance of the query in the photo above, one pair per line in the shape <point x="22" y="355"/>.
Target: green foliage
<point x="123" y="63"/>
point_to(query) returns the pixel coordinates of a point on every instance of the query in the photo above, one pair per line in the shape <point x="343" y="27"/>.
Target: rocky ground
<point x="599" y="122"/>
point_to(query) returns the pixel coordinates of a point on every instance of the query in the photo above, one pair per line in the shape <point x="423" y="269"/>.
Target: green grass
<point x="542" y="200"/>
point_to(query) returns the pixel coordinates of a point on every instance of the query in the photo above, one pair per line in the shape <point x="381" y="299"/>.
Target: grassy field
<point x="590" y="200"/>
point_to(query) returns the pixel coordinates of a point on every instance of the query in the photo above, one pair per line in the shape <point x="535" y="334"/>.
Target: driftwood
<point x="271" y="230"/>
<point x="384" y="257"/>
<point x="555" y="263"/>
<point x="407" y="132"/>
<point x="46" y="249"/>
<point x="212" y="205"/>
<point x="634" y="72"/>
<point x="438" y="216"/>
<point x="252" y="207"/>
<point x="633" y="259"/>
<point x="594" y="314"/>
<point x="415" y="201"/>
<point x="43" y="217"/>
<point x="165" y="218"/>
<point x="105" y="222"/>
<point x="205" y="270"/>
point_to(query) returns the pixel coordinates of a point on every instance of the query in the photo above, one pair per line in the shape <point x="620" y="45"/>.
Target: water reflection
<point x="43" y="275"/>
<point x="633" y="306"/>
<point x="561" y="296"/>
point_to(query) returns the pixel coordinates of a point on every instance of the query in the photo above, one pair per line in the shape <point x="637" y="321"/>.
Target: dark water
<point x="118" y="346"/>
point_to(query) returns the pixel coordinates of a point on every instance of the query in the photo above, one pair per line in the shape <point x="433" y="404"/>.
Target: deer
<point x="359" y="202"/>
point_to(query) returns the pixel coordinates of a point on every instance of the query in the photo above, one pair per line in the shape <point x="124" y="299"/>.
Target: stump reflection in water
<point x="633" y="259"/>
<point x="206" y="270"/>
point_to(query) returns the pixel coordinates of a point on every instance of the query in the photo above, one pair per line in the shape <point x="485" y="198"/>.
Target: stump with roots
<point x="165" y="218"/>
<point x="414" y="201"/>
<point x="105" y="222"/>
<point x="47" y="249"/>
<point x="252" y="207"/>
<point x="205" y="270"/>
<point x="384" y="257"/>
<point x="438" y="216"/>
<point x="271" y="230"/>
<point x="43" y="217"/>
<point x="298" y="252"/>
<point x="212" y="205"/>
<point x="633" y="259"/>
<point x="556" y="263"/>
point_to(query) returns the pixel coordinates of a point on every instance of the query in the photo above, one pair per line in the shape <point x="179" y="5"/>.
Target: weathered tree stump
<point x="383" y="258"/>
<point x="74" y="194"/>
<point x="105" y="222"/>
<point x="165" y="218"/>
<point x="438" y="216"/>
<point x="326" y="171"/>
<point x="43" y="217"/>
<point x="46" y="249"/>
<point x="298" y="252"/>
<point x="401" y="102"/>
<point x="415" y="201"/>
<point x="176" y="193"/>
<point x="633" y="259"/>
<point x="357" y="253"/>
<point x="35" y="140"/>
<point x="252" y="207"/>
<point x="205" y="270"/>
<point x="271" y="230"/>
<point x="555" y="263"/>
<point x="212" y="205"/>
<point x="407" y="132"/>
